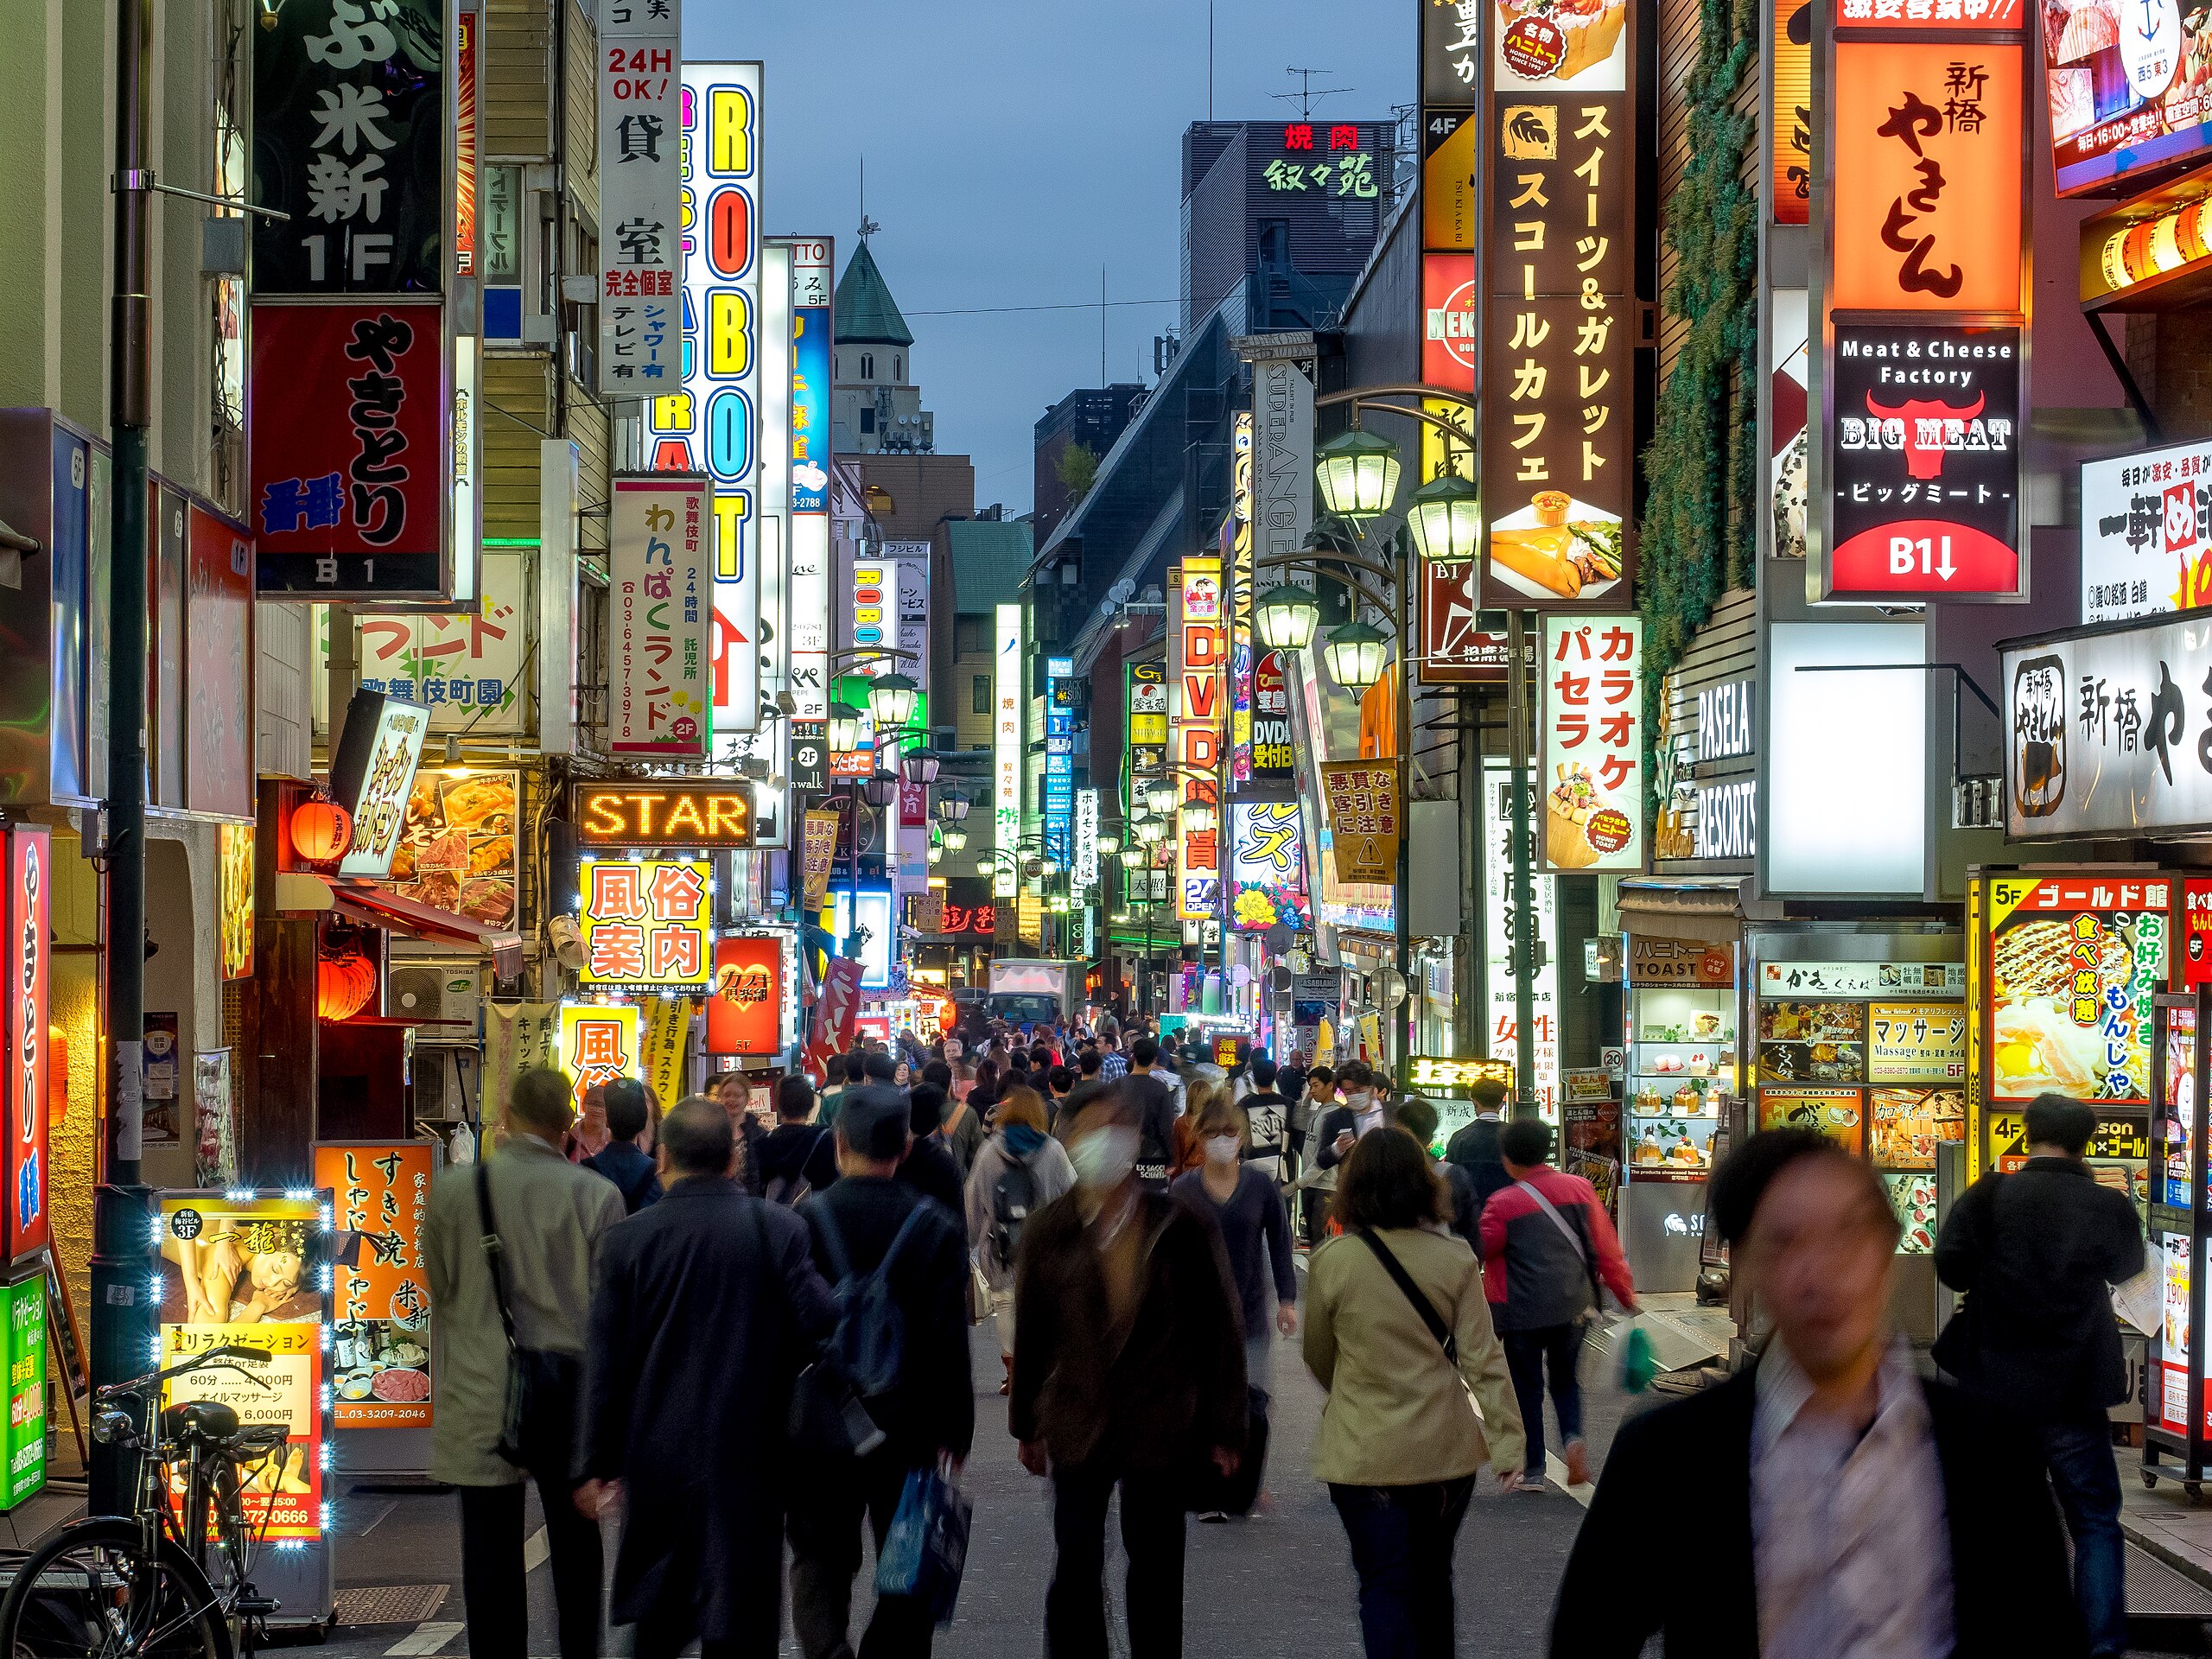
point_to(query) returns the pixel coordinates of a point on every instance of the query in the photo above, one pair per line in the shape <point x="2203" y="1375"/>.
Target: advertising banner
<point x="1592" y="776"/>
<point x="837" y="1011"/>
<point x="662" y="812"/>
<point x="1275" y="752"/>
<point x="349" y="476"/>
<point x="640" y="197"/>
<point x="745" y="1012"/>
<point x="659" y="583"/>
<point x="239" y="1270"/>
<point x="1267" y="866"/>
<point x="25" y="1305"/>
<point x="373" y="777"/>
<point x="464" y="666"/>
<point x="820" y="852"/>
<point x="647" y="924"/>
<point x="1007" y="744"/>
<point x="661" y="1044"/>
<point x="26" y="954"/>
<point x="380" y="1286"/>
<point x="812" y="367"/>
<point x="1915" y="1042"/>
<point x="598" y="1043"/>
<point x="1503" y="1020"/>
<point x="1282" y="466"/>
<point x="2128" y="89"/>
<point x="1789" y="103"/>
<point x="1362" y="802"/>
<point x="517" y="1036"/>
<point x="2146" y="533"/>
<point x="2072" y="962"/>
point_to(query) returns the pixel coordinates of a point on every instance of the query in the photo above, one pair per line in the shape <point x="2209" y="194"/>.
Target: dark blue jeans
<point x="1401" y="1539"/>
<point x="1528" y="1354"/>
<point x="2087" y="1481"/>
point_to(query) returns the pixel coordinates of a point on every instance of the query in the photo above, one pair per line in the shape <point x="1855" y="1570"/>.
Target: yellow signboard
<point x="1915" y="1042"/>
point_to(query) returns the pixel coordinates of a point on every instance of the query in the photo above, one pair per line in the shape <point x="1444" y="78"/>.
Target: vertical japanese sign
<point x="1789" y="108"/>
<point x="1198" y="698"/>
<point x="1146" y="701"/>
<point x="811" y="367"/>
<point x="647" y="924"/>
<point x="1915" y="486"/>
<point x="1504" y="1019"/>
<point x="468" y="44"/>
<point x="234" y="899"/>
<point x="745" y="1011"/>
<point x="598" y="1044"/>
<point x="1239" y="572"/>
<point x="1267" y="864"/>
<point x="820" y="852"/>
<point x="1086" y="838"/>
<point x="380" y="1289"/>
<point x="517" y="1036"/>
<point x="27" y="954"/>
<point x="1274" y="757"/>
<point x="25" y="1305"/>
<point x="662" y="1043"/>
<point x="351" y="136"/>
<point x="659" y="578"/>
<point x="1594" y="743"/>
<point x="237" y="1270"/>
<point x="1006" y="747"/>
<point x="640" y="188"/>
<point x="711" y="425"/>
<point x="1559" y="348"/>
<point x="349" y="480"/>
<point x="773" y="644"/>
<point x="1363" y="827"/>
<point x="1056" y="807"/>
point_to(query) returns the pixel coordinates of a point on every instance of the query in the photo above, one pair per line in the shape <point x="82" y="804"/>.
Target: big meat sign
<point x="1923" y="379"/>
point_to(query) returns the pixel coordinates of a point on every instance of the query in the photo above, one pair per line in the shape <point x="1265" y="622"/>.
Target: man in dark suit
<point x="870" y="1217"/>
<point x="622" y="1160"/>
<point x="1844" y="1506"/>
<point x="705" y="1306"/>
<point x="1474" y="1149"/>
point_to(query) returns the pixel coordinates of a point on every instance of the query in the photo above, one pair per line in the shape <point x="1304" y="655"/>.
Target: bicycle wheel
<point x="91" y="1591"/>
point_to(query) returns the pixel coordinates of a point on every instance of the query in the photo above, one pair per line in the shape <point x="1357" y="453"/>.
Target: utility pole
<point x="122" y="1306"/>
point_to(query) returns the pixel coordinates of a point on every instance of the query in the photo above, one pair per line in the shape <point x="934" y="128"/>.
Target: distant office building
<point x="1092" y="417"/>
<point x="875" y="407"/>
<point x="1292" y="206"/>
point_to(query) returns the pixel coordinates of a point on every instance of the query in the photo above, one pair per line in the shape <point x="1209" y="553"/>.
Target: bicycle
<point x="167" y="1580"/>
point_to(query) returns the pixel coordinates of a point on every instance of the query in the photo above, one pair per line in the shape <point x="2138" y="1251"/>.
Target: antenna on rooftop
<point x="868" y="226"/>
<point x="1307" y="91"/>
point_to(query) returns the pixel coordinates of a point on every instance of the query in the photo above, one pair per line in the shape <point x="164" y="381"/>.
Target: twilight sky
<point x="1013" y="146"/>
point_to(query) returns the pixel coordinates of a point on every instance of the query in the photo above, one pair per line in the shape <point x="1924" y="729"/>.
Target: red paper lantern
<point x="321" y="831"/>
<point x="345" y="981"/>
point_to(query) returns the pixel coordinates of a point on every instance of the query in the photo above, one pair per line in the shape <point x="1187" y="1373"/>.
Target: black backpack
<point x="792" y="1190"/>
<point x="870" y="1342"/>
<point x="1012" y="1200"/>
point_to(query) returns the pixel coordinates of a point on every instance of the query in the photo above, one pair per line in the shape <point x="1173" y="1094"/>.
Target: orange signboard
<point x="379" y="1289"/>
<point x="1927" y="214"/>
<point x="1790" y="110"/>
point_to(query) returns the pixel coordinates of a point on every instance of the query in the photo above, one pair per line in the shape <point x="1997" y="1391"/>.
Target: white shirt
<point x="1848" y="1539"/>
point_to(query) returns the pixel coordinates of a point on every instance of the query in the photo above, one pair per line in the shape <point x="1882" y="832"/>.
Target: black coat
<point x="2035" y="1251"/>
<point x="705" y="1306"/>
<point x="1684" y="1471"/>
<point x="931" y="1170"/>
<point x="1474" y="1149"/>
<point x="632" y="1172"/>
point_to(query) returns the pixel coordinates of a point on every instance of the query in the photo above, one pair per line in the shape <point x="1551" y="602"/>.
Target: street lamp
<point x="1355" y="654"/>
<point x="881" y="790"/>
<point x="987" y="864"/>
<point x="890" y="699"/>
<point x="1134" y="857"/>
<point x="953" y="838"/>
<point x="1160" y="794"/>
<point x="1106" y="843"/>
<point x="919" y="765"/>
<point x="1200" y="815"/>
<point x="1445" y="518"/>
<point x="951" y="808"/>
<point x="1151" y="831"/>
<point x="1285" y="617"/>
<point x="845" y="727"/>
<point x="1358" y="473"/>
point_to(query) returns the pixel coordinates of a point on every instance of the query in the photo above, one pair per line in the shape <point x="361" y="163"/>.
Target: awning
<point x="365" y="901"/>
<point x="1712" y="914"/>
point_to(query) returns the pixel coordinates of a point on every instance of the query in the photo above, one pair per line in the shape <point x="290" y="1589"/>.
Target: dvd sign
<point x="1923" y="463"/>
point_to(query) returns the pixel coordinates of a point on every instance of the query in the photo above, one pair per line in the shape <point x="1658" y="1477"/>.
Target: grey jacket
<point x="552" y="1216"/>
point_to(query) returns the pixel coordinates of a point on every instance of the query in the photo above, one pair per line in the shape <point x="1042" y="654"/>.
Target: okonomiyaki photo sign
<point x="1593" y="778"/>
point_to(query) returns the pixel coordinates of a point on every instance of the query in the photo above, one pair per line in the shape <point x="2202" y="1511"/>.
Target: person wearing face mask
<point x="1241" y="1200"/>
<point x="1361" y="1114"/>
<point x="1129" y="1373"/>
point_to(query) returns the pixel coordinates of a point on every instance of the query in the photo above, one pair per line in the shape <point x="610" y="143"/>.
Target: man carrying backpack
<point x="1017" y="1171"/>
<point x="798" y="1159"/>
<point x="900" y="1269"/>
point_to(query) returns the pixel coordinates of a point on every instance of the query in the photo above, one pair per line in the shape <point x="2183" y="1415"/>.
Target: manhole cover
<point x="390" y="1603"/>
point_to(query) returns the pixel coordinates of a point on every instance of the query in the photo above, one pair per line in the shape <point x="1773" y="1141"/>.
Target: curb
<point x="2195" y="1569"/>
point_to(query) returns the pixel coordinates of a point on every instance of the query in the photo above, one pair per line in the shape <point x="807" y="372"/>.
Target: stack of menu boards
<point x="1873" y="1056"/>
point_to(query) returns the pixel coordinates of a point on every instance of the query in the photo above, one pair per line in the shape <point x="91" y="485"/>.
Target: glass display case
<point x="1680" y="1083"/>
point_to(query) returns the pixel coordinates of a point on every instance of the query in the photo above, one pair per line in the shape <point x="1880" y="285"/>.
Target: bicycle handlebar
<point x="228" y="1351"/>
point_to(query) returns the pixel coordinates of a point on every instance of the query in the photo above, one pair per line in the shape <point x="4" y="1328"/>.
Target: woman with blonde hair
<point x="1017" y="1171"/>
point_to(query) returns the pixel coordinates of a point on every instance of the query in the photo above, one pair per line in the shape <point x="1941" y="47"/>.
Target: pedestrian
<point x="871" y="1221"/>
<point x="1018" y="1171"/>
<point x="1112" y="1062"/>
<point x="800" y="1157"/>
<point x="624" y="1160"/>
<point x="1417" y="1117"/>
<point x="548" y="1218"/>
<point x="963" y="1131"/>
<point x="1242" y="1200"/>
<point x="849" y="1073"/>
<point x="1129" y="1373"/>
<point x="1268" y="1115"/>
<point x="588" y="1135"/>
<point x="1361" y="1114"/>
<point x="1850" y="1509"/>
<point x="703" y="1312"/>
<point x="929" y="1166"/>
<point x="736" y="1095"/>
<point x="1316" y="1100"/>
<point x="1188" y="1154"/>
<point x="1546" y="1244"/>
<point x="1398" y="1332"/>
<point x="1153" y="1098"/>
<point x="984" y="1096"/>
<point x="1474" y="1149"/>
<point x="2036" y="1251"/>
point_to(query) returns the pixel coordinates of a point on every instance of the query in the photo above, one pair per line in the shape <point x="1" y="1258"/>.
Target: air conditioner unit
<point x="450" y="990"/>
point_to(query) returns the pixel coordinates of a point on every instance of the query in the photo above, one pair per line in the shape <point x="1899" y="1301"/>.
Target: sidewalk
<point x="2162" y="1522"/>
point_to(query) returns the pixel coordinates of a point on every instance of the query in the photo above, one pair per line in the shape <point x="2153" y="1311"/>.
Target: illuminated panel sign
<point x="599" y="1043"/>
<point x="713" y="424"/>
<point x="380" y="1291"/>
<point x="2127" y="89"/>
<point x="26" y="957"/>
<point x="1006" y="746"/>
<point x="745" y="1012"/>
<point x="809" y="595"/>
<point x="672" y="812"/>
<point x="1199" y="702"/>
<point x="1790" y="109"/>
<point x="1267" y="865"/>
<point x="647" y="924"/>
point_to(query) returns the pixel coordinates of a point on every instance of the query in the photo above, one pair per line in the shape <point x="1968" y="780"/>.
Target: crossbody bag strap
<point x="492" y="1250"/>
<point x="1414" y="1294"/>
<point x="1574" y="1237"/>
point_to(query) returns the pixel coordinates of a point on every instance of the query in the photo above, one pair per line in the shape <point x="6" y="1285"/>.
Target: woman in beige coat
<point x="1398" y="1330"/>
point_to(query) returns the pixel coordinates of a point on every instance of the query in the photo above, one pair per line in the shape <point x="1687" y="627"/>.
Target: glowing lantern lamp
<point x="1358" y="473"/>
<point x="1285" y="616"/>
<point x="321" y="831"/>
<point x="1445" y="518"/>
<point x="344" y="980"/>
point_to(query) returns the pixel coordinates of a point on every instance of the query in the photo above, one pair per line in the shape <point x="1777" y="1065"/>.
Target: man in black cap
<point x="871" y="1220"/>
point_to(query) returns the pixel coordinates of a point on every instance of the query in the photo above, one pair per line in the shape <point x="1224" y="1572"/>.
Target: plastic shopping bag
<point x="926" y="1547"/>
<point x="1638" y="1366"/>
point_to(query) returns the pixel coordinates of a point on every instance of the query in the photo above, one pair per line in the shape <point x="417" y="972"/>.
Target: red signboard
<point x="27" y="955"/>
<point x="349" y="448"/>
<point x="1454" y="649"/>
<point x="1451" y="309"/>
<point x="2196" y="934"/>
<point x="745" y="1010"/>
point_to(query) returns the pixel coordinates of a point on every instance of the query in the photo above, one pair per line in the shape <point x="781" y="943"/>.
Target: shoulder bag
<point x="538" y="1427"/>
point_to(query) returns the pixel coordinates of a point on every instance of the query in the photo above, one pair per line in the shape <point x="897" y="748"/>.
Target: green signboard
<point x="25" y="1302"/>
